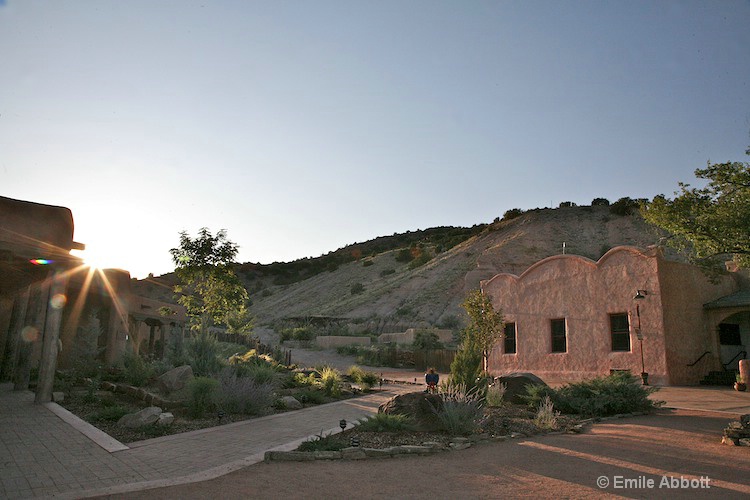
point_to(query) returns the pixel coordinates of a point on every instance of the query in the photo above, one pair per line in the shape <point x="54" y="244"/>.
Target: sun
<point x="91" y="259"/>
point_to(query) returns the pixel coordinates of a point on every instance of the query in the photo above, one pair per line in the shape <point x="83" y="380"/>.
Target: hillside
<point x="383" y="292"/>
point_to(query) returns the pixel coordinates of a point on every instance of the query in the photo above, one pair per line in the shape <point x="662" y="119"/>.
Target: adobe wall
<point x="585" y="293"/>
<point x="407" y="337"/>
<point x="689" y="331"/>
<point x="333" y="341"/>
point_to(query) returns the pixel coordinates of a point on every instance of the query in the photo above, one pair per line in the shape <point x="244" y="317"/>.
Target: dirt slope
<point x="432" y="294"/>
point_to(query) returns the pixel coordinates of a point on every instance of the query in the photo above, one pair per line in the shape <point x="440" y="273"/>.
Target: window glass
<point x="509" y="341"/>
<point x="620" y="331"/>
<point x="559" y="342"/>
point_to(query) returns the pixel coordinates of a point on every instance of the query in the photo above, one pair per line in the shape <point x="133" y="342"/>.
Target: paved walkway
<point x="45" y="451"/>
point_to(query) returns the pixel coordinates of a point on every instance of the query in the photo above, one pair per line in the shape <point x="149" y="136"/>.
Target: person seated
<point x="432" y="379"/>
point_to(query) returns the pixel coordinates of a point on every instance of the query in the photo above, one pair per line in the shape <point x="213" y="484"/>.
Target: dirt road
<point x="675" y="452"/>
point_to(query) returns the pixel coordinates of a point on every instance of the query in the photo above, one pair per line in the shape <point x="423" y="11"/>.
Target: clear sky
<point x="304" y="126"/>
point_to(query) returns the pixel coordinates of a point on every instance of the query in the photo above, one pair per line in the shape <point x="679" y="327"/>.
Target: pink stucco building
<point x="569" y="318"/>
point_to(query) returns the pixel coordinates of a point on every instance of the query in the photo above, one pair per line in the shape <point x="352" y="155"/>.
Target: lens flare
<point x="58" y="301"/>
<point x="41" y="262"/>
<point x="29" y="334"/>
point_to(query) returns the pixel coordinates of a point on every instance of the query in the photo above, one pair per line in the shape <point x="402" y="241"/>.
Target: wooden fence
<point x="440" y="359"/>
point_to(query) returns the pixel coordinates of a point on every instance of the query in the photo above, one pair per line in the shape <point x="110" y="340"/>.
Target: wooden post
<point x="51" y="339"/>
<point x="18" y="319"/>
<point x="32" y="329"/>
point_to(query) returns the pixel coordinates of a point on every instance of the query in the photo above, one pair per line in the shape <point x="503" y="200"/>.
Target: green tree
<point x="485" y="324"/>
<point x="425" y="340"/>
<point x="466" y="367"/>
<point x="208" y="287"/>
<point x="712" y="221"/>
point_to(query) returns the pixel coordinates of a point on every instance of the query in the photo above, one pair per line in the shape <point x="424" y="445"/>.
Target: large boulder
<point x="516" y="385"/>
<point x="291" y="403"/>
<point x="421" y="407"/>
<point x="175" y="379"/>
<point x="146" y="416"/>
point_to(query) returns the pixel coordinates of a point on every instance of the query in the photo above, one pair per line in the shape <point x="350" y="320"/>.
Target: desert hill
<point x="423" y="283"/>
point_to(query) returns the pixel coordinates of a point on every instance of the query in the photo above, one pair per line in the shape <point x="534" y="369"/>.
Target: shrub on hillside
<point x="330" y="380"/>
<point x="512" y="213"/>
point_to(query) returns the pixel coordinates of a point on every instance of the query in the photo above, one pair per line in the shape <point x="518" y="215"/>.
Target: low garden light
<point x="220" y="415"/>
<point x="342" y="424"/>
<point x="354" y="442"/>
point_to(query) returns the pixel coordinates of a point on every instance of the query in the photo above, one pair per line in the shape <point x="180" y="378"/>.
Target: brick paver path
<point x="42" y="455"/>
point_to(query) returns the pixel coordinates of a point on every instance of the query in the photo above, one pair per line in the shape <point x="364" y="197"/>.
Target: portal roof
<point x="737" y="299"/>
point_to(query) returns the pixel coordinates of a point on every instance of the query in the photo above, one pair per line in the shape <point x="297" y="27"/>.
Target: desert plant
<point x="381" y="422"/>
<point x="495" y="393"/>
<point x="359" y="376"/>
<point x="202" y="395"/>
<point x="203" y="352"/>
<point x="546" y="416"/>
<point x="110" y="414"/>
<point x="137" y="371"/>
<point x="620" y="392"/>
<point x="312" y="396"/>
<point x="243" y="394"/>
<point x="461" y="409"/>
<point x="357" y="288"/>
<point x="323" y="443"/>
<point x="330" y="380"/>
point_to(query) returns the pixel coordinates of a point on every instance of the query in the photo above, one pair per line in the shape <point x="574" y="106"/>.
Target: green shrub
<point x="387" y="272"/>
<point x="357" y="288"/>
<point x="323" y="443"/>
<point x="425" y="340"/>
<point x="512" y="213"/>
<point x="330" y="380"/>
<point x="466" y="367"/>
<point x="617" y="393"/>
<point x="311" y="396"/>
<point x="380" y="422"/>
<point x="203" y="353"/>
<point x="261" y="374"/>
<point x="365" y="379"/>
<point x="202" y="396"/>
<point x="137" y="371"/>
<point x="367" y="263"/>
<point x="110" y="414"/>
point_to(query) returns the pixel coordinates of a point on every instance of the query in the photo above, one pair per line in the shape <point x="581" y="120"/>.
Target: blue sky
<point x="304" y="126"/>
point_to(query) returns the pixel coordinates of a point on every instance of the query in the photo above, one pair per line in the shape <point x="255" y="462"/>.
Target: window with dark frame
<point x="619" y="327"/>
<point x="559" y="341"/>
<point x="509" y="340"/>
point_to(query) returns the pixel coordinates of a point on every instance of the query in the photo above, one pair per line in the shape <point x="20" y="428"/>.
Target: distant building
<point x="49" y="300"/>
<point x="569" y="318"/>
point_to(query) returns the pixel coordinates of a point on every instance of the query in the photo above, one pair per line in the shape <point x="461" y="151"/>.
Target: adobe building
<point x="49" y="299"/>
<point x="569" y="318"/>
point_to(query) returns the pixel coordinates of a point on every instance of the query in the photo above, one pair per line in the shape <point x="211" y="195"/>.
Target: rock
<point x="745" y="420"/>
<point x="378" y="452"/>
<point x="516" y="385"/>
<point x="289" y="456"/>
<point x="730" y="441"/>
<point x="460" y="446"/>
<point x="744" y="442"/>
<point x="175" y="379"/>
<point x="353" y="454"/>
<point x="165" y="419"/>
<point x="291" y="403"/>
<point x="327" y="455"/>
<point x="421" y="407"/>
<point x="58" y="397"/>
<point x="146" y="416"/>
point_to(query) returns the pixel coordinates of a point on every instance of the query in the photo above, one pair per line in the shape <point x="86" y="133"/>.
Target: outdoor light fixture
<point x="220" y="415"/>
<point x="640" y="294"/>
<point x="342" y="424"/>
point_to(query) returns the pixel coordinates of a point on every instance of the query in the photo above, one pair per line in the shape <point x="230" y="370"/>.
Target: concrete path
<point x="46" y="451"/>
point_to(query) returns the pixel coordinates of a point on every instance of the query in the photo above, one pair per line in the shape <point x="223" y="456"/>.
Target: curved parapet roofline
<point x="584" y="260"/>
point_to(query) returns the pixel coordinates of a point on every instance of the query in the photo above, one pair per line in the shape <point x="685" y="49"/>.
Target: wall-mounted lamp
<point x="640" y="294"/>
